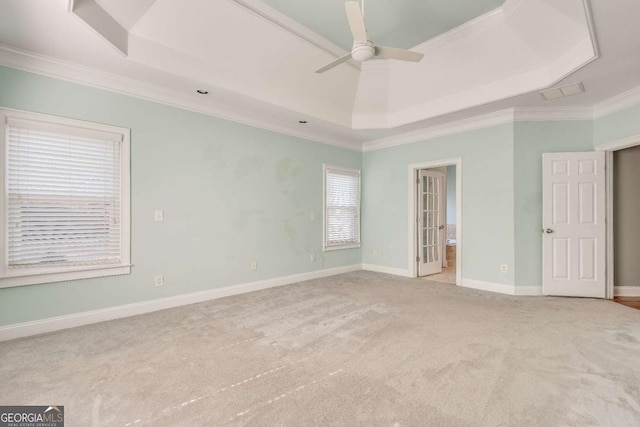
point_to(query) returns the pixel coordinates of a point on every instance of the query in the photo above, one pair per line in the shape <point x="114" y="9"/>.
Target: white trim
<point x="13" y="113"/>
<point x="482" y="121"/>
<point x="412" y="236"/>
<point x="502" y="288"/>
<point x="527" y="290"/>
<point x="63" y="276"/>
<point x="458" y="126"/>
<point x="67" y="71"/>
<point x="386" y="270"/>
<point x="488" y="286"/>
<point x="627" y="291"/>
<point x="610" y="252"/>
<point x="552" y="114"/>
<point x="31" y="275"/>
<point x="617" y="103"/>
<point x="36" y="327"/>
<point x="620" y="144"/>
<point x="79" y="74"/>
<point x="341" y="247"/>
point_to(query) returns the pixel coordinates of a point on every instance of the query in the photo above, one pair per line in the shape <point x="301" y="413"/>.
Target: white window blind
<point x="63" y="196"/>
<point x="342" y="207"/>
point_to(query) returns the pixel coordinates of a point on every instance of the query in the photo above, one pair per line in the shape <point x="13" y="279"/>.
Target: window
<point x="341" y="208"/>
<point x="65" y="199"/>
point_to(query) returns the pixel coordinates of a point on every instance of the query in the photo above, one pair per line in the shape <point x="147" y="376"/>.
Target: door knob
<point x="547" y="230"/>
<point x="441" y="227"/>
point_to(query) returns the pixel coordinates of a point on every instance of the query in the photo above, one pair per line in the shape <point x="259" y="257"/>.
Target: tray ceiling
<point x="398" y="23"/>
<point x="258" y="66"/>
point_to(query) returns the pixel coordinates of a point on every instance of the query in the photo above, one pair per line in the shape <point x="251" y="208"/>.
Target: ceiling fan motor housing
<point x="363" y="52"/>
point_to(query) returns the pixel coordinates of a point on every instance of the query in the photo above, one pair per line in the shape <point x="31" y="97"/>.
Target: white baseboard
<point x="488" y="286"/>
<point x="502" y="289"/>
<point x="52" y="324"/>
<point x="386" y="270"/>
<point x="626" y="291"/>
<point x="527" y="290"/>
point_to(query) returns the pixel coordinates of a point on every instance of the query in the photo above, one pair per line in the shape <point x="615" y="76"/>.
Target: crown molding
<point x="63" y="70"/>
<point x="552" y="114"/>
<point x="458" y="126"/>
<point x="617" y="103"/>
<point x="71" y="72"/>
<point x="510" y="115"/>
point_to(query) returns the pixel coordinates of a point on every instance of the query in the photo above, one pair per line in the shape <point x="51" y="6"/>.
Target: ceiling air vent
<point x="561" y="92"/>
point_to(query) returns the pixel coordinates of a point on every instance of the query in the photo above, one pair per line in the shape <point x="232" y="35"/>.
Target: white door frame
<point x="412" y="229"/>
<point x="609" y="148"/>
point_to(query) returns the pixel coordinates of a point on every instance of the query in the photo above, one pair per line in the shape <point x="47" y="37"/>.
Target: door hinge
<point x="417" y="259"/>
<point x="417" y="180"/>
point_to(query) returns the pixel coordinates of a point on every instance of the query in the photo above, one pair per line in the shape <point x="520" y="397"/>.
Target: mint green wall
<point x="487" y="200"/>
<point x="231" y="193"/>
<point x="531" y="140"/>
<point x="616" y="126"/>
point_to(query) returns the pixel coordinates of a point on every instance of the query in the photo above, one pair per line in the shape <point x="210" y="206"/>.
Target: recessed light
<point x="202" y="92"/>
<point x="302" y="122"/>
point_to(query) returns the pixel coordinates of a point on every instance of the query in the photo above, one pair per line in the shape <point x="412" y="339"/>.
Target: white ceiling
<point x="258" y="63"/>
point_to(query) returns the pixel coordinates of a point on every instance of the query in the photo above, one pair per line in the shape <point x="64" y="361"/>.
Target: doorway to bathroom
<point x="435" y="223"/>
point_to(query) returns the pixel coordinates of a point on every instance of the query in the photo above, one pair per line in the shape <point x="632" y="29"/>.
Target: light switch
<point x="159" y="216"/>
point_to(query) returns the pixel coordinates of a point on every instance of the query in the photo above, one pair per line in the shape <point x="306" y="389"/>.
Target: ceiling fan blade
<point x="335" y="63"/>
<point x="356" y="22"/>
<point x="399" y="54"/>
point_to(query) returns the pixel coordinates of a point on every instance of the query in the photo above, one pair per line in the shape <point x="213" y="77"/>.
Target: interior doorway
<point x="435" y="221"/>
<point x="623" y="200"/>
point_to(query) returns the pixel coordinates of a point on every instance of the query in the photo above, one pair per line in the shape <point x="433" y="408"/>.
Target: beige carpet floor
<point x="359" y="349"/>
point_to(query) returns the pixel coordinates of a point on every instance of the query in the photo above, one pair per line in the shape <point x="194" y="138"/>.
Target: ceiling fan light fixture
<point x="363" y="52"/>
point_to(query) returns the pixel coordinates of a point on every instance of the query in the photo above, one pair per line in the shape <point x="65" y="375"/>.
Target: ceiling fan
<point x="363" y="49"/>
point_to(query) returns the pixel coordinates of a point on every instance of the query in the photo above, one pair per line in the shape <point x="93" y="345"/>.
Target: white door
<point x="431" y="221"/>
<point x="574" y="228"/>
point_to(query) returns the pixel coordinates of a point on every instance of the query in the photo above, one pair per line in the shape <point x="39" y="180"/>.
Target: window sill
<point x="35" y="279"/>
<point x="341" y="247"/>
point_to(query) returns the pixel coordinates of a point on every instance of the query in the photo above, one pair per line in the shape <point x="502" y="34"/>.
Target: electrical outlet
<point x="159" y="215"/>
<point x="375" y="253"/>
<point x="312" y="257"/>
<point x="159" y="281"/>
<point x="254" y="265"/>
<point x="312" y="217"/>
<point x="504" y="268"/>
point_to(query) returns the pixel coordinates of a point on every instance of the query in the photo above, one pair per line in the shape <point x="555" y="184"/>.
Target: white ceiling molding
<point x="282" y="21"/>
<point x="619" y="102"/>
<point x="451" y="128"/>
<point x="67" y="71"/>
<point x="510" y="115"/>
<point x="552" y="114"/>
